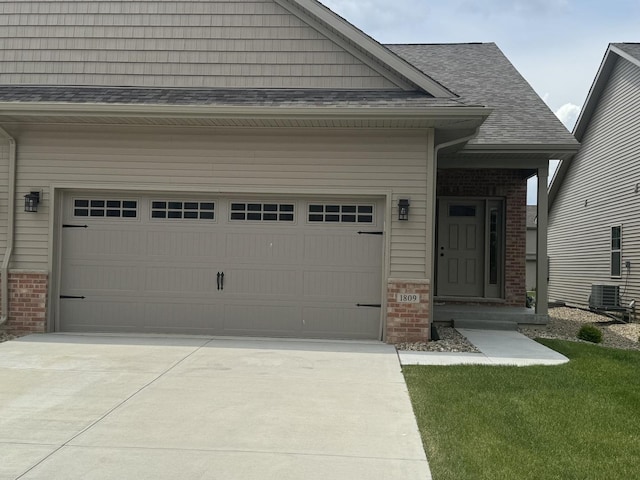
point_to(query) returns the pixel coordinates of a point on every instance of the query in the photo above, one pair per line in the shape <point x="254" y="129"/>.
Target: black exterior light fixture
<point x="31" y="201"/>
<point x="403" y="209"/>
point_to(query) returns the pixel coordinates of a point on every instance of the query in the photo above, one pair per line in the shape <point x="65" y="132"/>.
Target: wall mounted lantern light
<point x="31" y="201"/>
<point x="403" y="209"/>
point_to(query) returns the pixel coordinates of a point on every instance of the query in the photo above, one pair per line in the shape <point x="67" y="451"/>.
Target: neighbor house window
<point x="616" y="251"/>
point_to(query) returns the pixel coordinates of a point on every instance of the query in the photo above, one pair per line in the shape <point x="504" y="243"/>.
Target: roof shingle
<point x="481" y="74"/>
<point x="231" y="97"/>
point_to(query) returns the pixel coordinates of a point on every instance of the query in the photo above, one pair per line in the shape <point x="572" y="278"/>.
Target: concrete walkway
<point x="498" y="347"/>
<point x="123" y="407"/>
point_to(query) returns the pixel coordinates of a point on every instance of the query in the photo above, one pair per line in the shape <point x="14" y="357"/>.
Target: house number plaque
<point x="408" y="298"/>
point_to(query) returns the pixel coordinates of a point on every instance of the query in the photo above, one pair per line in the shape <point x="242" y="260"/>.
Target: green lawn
<point x="576" y="421"/>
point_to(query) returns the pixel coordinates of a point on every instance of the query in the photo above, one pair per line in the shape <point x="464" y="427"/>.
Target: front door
<point x="460" y="248"/>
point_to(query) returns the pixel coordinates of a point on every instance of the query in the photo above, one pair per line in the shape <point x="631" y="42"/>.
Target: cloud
<point x="568" y="114"/>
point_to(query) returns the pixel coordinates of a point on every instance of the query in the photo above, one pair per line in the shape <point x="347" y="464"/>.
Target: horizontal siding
<point x="598" y="192"/>
<point x="189" y="43"/>
<point x="228" y="161"/>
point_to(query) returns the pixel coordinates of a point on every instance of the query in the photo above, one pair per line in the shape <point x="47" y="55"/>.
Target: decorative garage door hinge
<point x="66" y="225"/>
<point x="72" y="296"/>
<point x="372" y="305"/>
<point x="370" y="233"/>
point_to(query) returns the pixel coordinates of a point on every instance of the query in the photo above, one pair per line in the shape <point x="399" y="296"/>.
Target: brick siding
<point x="28" y="302"/>
<point x="512" y="186"/>
<point x="408" y="322"/>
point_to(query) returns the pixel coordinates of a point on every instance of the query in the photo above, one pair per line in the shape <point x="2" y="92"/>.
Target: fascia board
<point x="625" y="55"/>
<point x="396" y="64"/>
<point x="599" y="82"/>
<point x="523" y="148"/>
<point x="177" y="111"/>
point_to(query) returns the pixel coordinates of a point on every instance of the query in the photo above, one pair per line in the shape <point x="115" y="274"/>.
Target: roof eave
<point x="566" y="150"/>
<point x="36" y="109"/>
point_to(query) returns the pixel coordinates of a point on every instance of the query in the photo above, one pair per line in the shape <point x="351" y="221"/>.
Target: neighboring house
<point x="594" y="227"/>
<point x="532" y="233"/>
<point x="257" y="168"/>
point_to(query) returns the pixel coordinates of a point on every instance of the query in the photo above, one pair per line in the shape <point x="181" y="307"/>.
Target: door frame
<point x="493" y="285"/>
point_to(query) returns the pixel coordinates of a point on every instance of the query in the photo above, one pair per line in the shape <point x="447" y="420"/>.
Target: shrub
<point x="590" y="333"/>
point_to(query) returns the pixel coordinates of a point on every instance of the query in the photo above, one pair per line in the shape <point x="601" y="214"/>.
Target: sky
<point x="557" y="45"/>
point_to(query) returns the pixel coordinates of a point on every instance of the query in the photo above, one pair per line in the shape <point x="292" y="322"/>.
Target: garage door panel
<point x="265" y="318"/>
<point x="247" y="282"/>
<point x="184" y="317"/>
<point x="256" y="248"/>
<point x="176" y="281"/>
<point x="112" y="279"/>
<point x="324" y="321"/>
<point x="102" y="315"/>
<point x="177" y="247"/>
<point x="96" y="242"/>
<point x="351" y="250"/>
<point x="360" y="287"/>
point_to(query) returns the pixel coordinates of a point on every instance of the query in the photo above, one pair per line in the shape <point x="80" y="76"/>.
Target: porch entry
<point x="470" y="247"/>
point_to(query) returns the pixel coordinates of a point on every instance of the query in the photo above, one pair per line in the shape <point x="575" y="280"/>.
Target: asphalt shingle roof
<point x="480" y="73"/>
<point x="232" y="97"/>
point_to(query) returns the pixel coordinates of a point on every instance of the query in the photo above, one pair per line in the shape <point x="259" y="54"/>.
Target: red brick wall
<point x="512" y="186"/>
<point x="27" y="303"/>
<point x="408" y="322"/>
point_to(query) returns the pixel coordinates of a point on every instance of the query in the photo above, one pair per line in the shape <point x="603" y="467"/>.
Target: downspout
<point x="11" y="206"/>
<point x="434" y="175"/>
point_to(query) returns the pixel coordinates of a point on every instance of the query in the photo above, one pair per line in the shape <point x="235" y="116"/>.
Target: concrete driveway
<point x="115" y="407"/>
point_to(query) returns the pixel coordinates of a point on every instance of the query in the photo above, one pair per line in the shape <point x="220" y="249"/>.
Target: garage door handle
<point x="218" y="280"/>
<point x="222" y="281"/>
<point x="372" y="305"/>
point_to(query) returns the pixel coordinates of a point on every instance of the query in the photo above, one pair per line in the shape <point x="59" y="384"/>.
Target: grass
<point x="576" y="421"/>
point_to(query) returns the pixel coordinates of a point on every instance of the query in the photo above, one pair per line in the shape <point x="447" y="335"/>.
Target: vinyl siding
<point x="598" y="192"/>
<point x="190" y="43"/>
<point x="228" y="161"/>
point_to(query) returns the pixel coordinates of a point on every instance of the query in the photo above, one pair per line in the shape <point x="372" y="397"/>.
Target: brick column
<point x="408" y="321"/>
<point x="27" y="302"/>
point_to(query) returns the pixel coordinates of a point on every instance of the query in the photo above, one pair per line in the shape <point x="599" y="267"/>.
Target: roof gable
<point x="188" y="43"/>
<point x="616" y="51"/>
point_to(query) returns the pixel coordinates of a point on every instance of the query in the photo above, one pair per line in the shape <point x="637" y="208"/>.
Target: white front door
<point x="460" y="248"/>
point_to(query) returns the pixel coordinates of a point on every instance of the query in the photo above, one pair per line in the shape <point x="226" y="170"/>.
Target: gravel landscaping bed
<point x="450" y="341"/>
<point x="564" y="324"/>
<point x="4" y="336"/>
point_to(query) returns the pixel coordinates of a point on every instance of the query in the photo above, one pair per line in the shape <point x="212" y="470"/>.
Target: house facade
<point x="594" y="224"/>
<point x="256" y="168"/>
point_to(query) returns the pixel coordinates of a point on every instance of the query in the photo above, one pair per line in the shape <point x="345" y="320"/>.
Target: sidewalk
<point x="497" y="347"/>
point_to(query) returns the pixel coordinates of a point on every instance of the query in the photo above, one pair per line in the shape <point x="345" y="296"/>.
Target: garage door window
<point x="267" y="212"/>
<point x="100" y="208"/>
<point x="332" y="213"/>
<point x="185" y="210"/>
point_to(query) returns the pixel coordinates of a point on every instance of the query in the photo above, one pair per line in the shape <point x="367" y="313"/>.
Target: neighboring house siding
<point x="346" y="162"/>
<point x="598" y="192"/>
<point x="511" y="185"/>
<point x="232" y="44"/>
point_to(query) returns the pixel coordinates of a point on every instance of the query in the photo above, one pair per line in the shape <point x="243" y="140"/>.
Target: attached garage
<point x="235" y="265"/>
